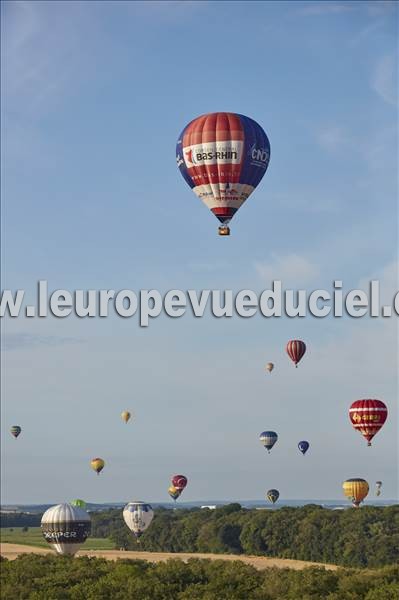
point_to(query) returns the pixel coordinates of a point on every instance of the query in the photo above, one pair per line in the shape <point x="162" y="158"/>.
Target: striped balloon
<point x="66" y="527"/>
<point x="268" y="439"/>
<point x="356" y="490"/>
<point x="223" y="156"/>
<point x="368" y="416"/>
<point x="295" y="350"/>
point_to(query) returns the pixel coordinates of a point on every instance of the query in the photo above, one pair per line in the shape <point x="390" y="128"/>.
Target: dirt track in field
<point x="11" y="551"/>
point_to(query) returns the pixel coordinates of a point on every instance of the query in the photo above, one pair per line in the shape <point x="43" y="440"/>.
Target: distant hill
<point x="92" y="506"/>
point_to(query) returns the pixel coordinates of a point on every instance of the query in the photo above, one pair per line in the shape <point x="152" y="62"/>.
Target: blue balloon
<point x="303" y="446"/>
<point x="268" y="439"/>
<point x="222" y="157"/>
<point x="273" y="495"/>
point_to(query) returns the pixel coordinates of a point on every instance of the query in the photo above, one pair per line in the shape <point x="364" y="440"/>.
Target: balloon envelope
<point x="368" y="416"/>
<point x="179" y="482"/>
<point x="15" y="430"/>
<point x="273" y="495"/>
<point x="65" y="527"/>
<point x="295" y="350"/>
<point x="78" y="502"/>
<point x="303" y="446"/>
<point x="174" y="492"/>
<point x="269" y="367"/>
<point x="97" y="464"/>
<point x="138" y="516"/>
<point x="356" y="489"/>
<point x="268" y="439"/>
<point x="223" y="156"/>
<point x="125" y="415"/>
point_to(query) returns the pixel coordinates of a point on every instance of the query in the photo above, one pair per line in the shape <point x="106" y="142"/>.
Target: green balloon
<point x="79" y="502"/>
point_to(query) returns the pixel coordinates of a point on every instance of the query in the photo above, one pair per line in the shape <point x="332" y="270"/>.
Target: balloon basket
<point x="224" y="230"/>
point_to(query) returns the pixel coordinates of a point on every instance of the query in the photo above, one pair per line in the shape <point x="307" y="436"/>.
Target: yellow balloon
<point x="174" y="492"/>
<point x="356" y="489"/>
<point x="97" y="464"/>
<point x="269" y="367"/>
<point x="126" y="415"/>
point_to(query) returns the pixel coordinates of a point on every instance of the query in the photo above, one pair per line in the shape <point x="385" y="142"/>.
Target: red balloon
<point x="179" y="482"/>
<point x="368" y="416"/>
<point x="222" y="157"/>
<point x="295" y="350"/>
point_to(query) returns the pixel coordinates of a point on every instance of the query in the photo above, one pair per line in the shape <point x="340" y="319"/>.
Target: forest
<point x="365" y="537"/>
<point x="36" y="577"/>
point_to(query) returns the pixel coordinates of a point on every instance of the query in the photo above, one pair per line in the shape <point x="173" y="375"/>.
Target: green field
<point x="33" y="537"/>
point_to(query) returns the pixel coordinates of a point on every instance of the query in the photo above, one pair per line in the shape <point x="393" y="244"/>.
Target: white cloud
<point x="381" y="7"/>
<point x="376" y="146"/>
<point x="216" y="265"/>
<point x="291" y="269"/>
<point x="388" y="278"/>
<point x="332" y="138"/>
<point x="384" y="79"/>
<point x="17" y="341"/>
<point x="376" y="8"/>
<point x="46" y="53"/>
<point x="326" y="8"/>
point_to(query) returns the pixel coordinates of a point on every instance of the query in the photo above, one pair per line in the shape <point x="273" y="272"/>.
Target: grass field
<point x="33" y="537"/>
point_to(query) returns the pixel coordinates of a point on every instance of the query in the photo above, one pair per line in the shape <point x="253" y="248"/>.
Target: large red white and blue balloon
<point x="223" y="156"/>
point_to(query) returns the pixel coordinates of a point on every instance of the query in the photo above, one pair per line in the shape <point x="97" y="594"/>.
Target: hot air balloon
<point x="222" y="157"/>
<point x="295" y="350"/>
<point x="378" y="485"/>
<point x="269" y="367"/>
<point x="179" y="482"/>
<point x="368" y="416"/>
<point x="268" y="439"/>
<point x="174" y="492"/>
<point x="303" y="446"/>
<point x="66" y="527"/>
<point x="78" y="502"/>
<point x="273" y="495"/>
<point x="97" y="464"/>
<point x="125" y="415"/>
<point x="356" y="489"/>
<point x="138" y="516"/>
<point x="15" y="430"/>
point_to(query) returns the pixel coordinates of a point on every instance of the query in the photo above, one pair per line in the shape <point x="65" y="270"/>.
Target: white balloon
<point x="66" y="527"/>
<point x="138" y="516"/>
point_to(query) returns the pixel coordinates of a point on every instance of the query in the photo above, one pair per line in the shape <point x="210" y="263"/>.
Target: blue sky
<point x="94" y="96"/>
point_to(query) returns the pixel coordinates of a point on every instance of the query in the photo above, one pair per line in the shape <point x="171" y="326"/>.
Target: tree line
<point x="366" y="537"/>
<point x="34" y="577"/>
<point x="20" y="520"/>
